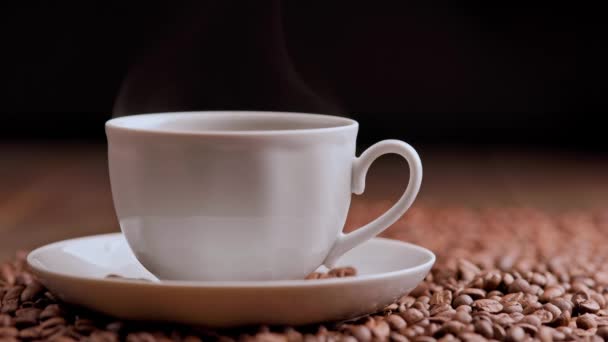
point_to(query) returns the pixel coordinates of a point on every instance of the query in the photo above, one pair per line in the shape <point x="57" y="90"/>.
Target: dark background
<point x="472" y="74"/>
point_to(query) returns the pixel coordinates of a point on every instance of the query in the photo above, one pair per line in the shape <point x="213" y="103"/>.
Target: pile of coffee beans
<point x="501" y="274"/>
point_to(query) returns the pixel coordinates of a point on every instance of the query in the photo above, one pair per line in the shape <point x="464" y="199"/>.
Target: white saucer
<point x="75" y="270"/>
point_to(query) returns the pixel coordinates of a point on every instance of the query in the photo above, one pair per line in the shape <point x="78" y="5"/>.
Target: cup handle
<point x="346" y="242"/>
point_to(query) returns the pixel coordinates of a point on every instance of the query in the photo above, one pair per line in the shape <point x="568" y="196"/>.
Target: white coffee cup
<point x="243" y="195"/>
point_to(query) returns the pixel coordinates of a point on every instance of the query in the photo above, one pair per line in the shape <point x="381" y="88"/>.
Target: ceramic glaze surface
<point x="237" y="195"/>
<point x="73" y="269"/>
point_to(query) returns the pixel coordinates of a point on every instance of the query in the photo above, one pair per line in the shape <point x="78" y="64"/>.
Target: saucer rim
<point x="251" y="284"/>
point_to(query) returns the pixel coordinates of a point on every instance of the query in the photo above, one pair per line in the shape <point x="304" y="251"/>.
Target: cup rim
<point x="128" y="123"/>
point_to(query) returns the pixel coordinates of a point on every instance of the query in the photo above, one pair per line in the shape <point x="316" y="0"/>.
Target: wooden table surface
<point x="52" y="191"/>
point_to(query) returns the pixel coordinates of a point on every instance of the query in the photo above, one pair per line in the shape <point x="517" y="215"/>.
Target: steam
<point x="206" y="62"/>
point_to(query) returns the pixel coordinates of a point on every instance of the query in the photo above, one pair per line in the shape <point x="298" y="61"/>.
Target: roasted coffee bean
<point x="313" y="275"/>
<point x="586" y="321"/>
<point x="439" y="319"/>
<point x="463" y="299"/>
<point x="27" y="317"/>
<point x="516" y="316"/>
<point x="410" y="333"/>
<point x="528" y="328"/>
<point x="562" y="304"/>
<point x="442" y="297"/>
<point x="291" y="334"/>
<point x="71" y="332"/>
<point x="42" y="302"/>
<point x="10" y="306"/>
<point x="496" y="298"/>
<point x="603" y="332"/>
<point x="84" y="326"/>
<point x="418" y="329"/>
<point x="492" y="280"/>
<point x="424" y="299"/>
<point x="395" y="337"/>
<point x="529" y="298"/>
<point x="8" y="332"/>
<point x="440" y="308"/>
<point x="52" y="322"/>
<point x="5" y="320"/>
<point x="31" y="291"/>
<point x="420" y="306"/>
<point x="435" y="330"/>
<point x="539" y="279"/>
<point x="463" y="317"/>
<point x="28" y="304"/>
<point x="512" y="307"/>
<point x="563" y="319"/>
<point x="544" y="316"/>
<point x="13" y="292"/>
<point x="423" y="323"/>
<point x="412" y="316"/>
<point x="51" y="332"/>
<point x="31" y="333"/>
<point x="52" y="310"/>
<point x="148" y="337"/>
<point x="115" y="327"/>
<point x="7" y="274"/>
<point x="10" y="301"/>
<point x="519" y="285"/>
<point x="578" y="286"/>
<point x="515" y="333"/>
<point x="546" y="334"/>
<point x="554" y="310"/>
<point x="106" y="336"/>
<point x="23" y="278"/>
<point x="453" y="327"/>
<point x="487" y="305"/>
<point x="530" y="308"/>
<point x="420" y="290"/>
<point x="484" y="328"/>
<point x="532" y="320"/>
<point x="508" y="279"/>
<point x="503" y="319"/>
<point x="341" y="272"/>
<point x="471" y="337"/>
<point x="66" y="339"/>
<point x="474" y="293"/>
<point x="551" y="292"/>
<point x="392" y="307"/>
<point x="465" y="308"/>
<point x="396" y="322"/>
<point x="498" y="332"/>
<point x="536" y="290"/>
<point x="307" y="338"/>
<point x="381" y="330"/>
<point x="599" y="299"/>
<point x="368" y="321"/>
<point x="494" y="293"/>
<point x="361" y="332"/>
<point x="407" y="300"/>
<point x="579" y="297"/>
<point x="515" y="297"/>
<point x="467" y="269"/>
<point x="589" y="306"/>
<point x="482" y="315"/>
